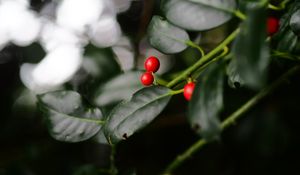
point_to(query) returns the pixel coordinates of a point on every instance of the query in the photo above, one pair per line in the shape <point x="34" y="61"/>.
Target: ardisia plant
<point x="127" y="101"/>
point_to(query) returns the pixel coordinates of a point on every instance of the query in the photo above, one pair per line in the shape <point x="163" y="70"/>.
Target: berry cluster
<point x="151" y="65"/>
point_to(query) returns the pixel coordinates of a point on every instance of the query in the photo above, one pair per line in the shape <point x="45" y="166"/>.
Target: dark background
<point x="264" y="141"/>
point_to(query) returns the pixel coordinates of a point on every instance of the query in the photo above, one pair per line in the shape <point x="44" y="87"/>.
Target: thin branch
<point x="230" y="120"/>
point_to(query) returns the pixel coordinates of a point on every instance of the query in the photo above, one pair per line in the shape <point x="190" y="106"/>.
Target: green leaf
<point x="288" y="42"/>
<point x="286" y="38"/>
<point x="198" y="15"/>
<point x="133" y="115"/>
<point x="166" y="37"/>
<point x="69" y="118"/>
<point x="118" y="88"/>
<point x="98" y="66"/>
<point x="100" y="137"/>
<point x="234" y="78"/>
<point x="100" y="63"/>
<point x="250" y="48"/>
<point x="295" y="22"/>
<point x="86" y="170"/>
<point x="207" y="102"/>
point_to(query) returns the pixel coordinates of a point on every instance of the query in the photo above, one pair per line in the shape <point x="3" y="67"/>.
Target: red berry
<point x="152" y="64"/>
<point x="147" y="78"/>
<point x="188" y="90"/>
<point x="272" y="25"/>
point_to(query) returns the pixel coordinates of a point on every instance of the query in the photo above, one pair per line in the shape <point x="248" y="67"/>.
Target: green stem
<point x="113" y="170"/>
<point x="239" y="14"/>
<point x="231" y="119"/>
<point x="196" y="46"/>
<point x="160" y="81"/>
<point x="204" y="59"/>
<point x="198" y="72"/>
<point x="176" y="92"/>
<point x="277" y="53"/>
<point x="280" y="7"/>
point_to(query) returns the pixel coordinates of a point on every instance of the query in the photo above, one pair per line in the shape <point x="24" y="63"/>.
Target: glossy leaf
<point x="198" y="14"/>
<point x="118" y="88"/>
<point x="69" y="118"/>
<point x="286" y="38"/>
<point x="100" y="137"/>
<point x="252" y="52"/>
<point x="133" y="115"/>
<point x="234" y="78"/>
<point x="166" y="37"/>
<point x="207" y="102"/>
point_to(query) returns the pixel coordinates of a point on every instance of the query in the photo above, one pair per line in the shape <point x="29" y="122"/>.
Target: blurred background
<point x="264" y="141"/>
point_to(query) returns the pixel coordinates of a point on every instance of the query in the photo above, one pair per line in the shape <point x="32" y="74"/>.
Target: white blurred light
<point x="109" y="8"/>
<point x="63" y="29"/>
<point x="78" y="14"/>
<point x="53" y="36"/>
<point x="3" y="38"/>
<point x="20" y="24"/>
<point x="26" y="29"/>
<point x="58" y="66"/>
<point x="48" y="11"/>
<point x="55" y="69"/>
<point x="122" y="5"/>
<point x="24" y="3"/>
<point x="27" y="79"/>
<point x="124" y="53"/>
<point x="106" y="32"/>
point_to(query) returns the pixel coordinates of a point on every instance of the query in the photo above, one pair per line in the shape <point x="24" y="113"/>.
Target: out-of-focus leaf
<point x="286" y="38"/>
<point x="234" y="78"/>
<point x="86" y="170"/>
<point x="133" y="115"/>
<point x="100" y="137"/>
<point x="288" y="42"/>
<point x="295" y="22"/>
<point x="100" y="63"/>
<point x="250" y="48"/>
<point x="198" y="14"/>
<point x="166" y="37"/>
<point x="118" y="88"/>
<point x="124" y="52"/>
<point x="69" y="118"/>
<point x="98" y="66"/>
<point x="207" y="102"/>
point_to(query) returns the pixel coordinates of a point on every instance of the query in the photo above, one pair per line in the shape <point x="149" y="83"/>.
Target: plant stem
<point x="280" y="7"/>
<point x="176" y="92"/>
<point x="285" y="55"/>
<point x="113" y="170"/>
<point x="231" y="119"/>
<point x="160" y="81"/>
<point x="217" y="58"/>
<point x="204" y="59"/>
<point x="253" y="101"/>
<point x="196" y="46"/>
<point x="239" y="14"/>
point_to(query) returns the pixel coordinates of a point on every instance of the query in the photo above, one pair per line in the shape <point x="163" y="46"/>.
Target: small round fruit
<point x="152" y="64"/>
<point x="188" y="90"/>
<point x="272" y="25"/>
<point x="147" y="78"/>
